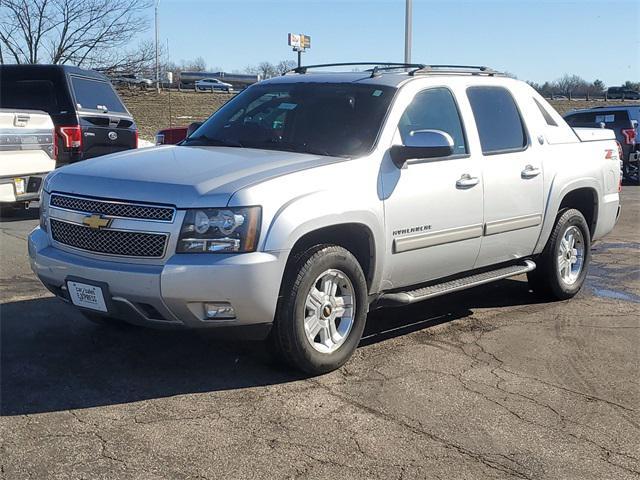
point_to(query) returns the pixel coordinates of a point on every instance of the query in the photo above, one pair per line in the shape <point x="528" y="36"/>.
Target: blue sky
<point x="535" y="40"/>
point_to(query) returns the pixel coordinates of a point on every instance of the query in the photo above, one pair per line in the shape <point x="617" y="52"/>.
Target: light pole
<point x="408" y="13"/>
<point x="157" y="59"/>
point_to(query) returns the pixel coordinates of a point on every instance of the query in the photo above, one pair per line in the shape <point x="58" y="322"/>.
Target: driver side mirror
<point x="193" y="127"/>
<point x="422" y="144"/>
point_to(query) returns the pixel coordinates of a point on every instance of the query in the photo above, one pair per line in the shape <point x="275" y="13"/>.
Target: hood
<point x="181" y="176"/>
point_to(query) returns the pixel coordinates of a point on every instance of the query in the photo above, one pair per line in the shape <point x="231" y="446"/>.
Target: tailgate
<point x="26" y="143"/>
<point x="594" y="134"/>
<point x="103" y="135"/>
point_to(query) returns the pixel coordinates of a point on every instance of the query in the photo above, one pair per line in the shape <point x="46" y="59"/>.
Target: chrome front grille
<point x="110" y="242"/>
<point x="113" y="208"/>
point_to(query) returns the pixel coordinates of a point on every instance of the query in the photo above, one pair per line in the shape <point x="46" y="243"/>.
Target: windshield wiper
<point x="213" y="142"/>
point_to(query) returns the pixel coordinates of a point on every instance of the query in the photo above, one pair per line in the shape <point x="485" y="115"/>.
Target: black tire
<point x="546" y="280"/>
<point x="288" y="339"/>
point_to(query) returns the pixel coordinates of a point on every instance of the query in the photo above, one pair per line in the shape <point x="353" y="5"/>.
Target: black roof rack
<point x="416" y="68"/>
<point x="377" y="66"/>
<point x="469" y="69"/>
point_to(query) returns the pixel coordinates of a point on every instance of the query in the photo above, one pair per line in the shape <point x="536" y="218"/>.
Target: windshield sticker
<point x="377" y="93"/>
<point x="287" y="106"/>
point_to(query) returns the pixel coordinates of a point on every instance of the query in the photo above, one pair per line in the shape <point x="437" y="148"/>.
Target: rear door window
<point x="96" y="95"/>
<point x="499" y="123"/>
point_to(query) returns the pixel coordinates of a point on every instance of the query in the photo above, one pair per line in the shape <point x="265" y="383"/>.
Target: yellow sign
<point x="96" y="221"/>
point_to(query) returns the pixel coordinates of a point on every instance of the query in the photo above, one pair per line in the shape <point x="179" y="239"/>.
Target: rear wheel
<point x="562" y="267"/>
<point x="322" y="312"/>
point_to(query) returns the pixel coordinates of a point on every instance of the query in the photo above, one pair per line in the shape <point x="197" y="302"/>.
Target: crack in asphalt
<point x="422" y="431"/>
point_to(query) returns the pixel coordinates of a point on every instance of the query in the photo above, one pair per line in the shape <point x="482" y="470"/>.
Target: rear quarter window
<point x="96" y="95"/>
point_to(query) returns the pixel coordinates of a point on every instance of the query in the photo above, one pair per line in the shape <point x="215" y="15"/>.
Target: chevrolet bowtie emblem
<point x="96" y="221"/>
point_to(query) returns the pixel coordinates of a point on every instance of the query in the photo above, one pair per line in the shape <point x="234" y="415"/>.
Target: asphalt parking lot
<point x="488" y="383"/>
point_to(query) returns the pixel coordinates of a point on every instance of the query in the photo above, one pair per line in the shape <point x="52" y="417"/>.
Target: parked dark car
<point x="615" y="93"/>
<point x="624" y="122"/>
<point x="90" y="119"/>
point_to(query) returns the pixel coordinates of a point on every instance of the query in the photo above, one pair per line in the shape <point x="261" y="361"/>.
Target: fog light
<point x="20" y="185"/>
<point x="219" y="311"/>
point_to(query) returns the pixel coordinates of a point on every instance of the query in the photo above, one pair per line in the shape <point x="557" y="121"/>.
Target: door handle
<point x="467" y="181"/>
<point x="530" y="171"/>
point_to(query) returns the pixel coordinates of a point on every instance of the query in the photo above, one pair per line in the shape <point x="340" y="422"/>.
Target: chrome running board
<point x="432" y="291"/>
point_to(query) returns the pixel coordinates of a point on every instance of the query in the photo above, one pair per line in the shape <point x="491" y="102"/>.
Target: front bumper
<point x="173" y="294"/>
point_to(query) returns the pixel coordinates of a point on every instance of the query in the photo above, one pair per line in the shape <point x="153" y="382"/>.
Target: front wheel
<point x="322" y="310"/>
<point x="562" y="266"/>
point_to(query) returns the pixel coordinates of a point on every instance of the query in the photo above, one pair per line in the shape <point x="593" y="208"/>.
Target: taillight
<point x="620" y="151"/>
<point x="630" y="135"/>
<point x="136" y="138"/>
<point x="72" y="136"/>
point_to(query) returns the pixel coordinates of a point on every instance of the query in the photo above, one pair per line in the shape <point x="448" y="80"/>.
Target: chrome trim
<point x="119" y="202"/>
<point x="93" y="252"/>
<point x="515" y="223"/>
<point x="424" y="240"/>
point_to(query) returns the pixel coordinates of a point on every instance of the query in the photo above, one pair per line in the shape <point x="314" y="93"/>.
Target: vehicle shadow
<point x="52" y="359"/>
<point x="19" y="215"/>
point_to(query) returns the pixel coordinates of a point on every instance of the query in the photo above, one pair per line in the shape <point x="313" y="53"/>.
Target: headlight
<point x="220" y="230"/>
<point x="44" y="206"/>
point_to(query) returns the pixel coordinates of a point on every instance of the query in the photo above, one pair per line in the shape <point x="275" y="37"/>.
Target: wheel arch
<point x="355" y="237"/>
<point x="582" y="195"/>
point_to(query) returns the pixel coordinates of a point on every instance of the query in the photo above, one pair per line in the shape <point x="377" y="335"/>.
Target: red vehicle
<point x="171" y="136"/>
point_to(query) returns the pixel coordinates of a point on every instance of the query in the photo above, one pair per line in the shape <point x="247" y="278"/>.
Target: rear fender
<point x="555" y="196"/>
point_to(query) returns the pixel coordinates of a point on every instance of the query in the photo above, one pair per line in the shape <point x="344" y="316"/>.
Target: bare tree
<point x="571" y="85"/>
<point x="284" y="66"/>
<point x="264" y="69"/>
<point x="198" y="64"/>
<point x="91" y="33"/>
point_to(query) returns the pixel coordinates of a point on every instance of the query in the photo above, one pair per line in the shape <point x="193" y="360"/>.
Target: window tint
<point x="499" y="123"/>
<point x="547" y="117"/>
<point x="30" y="95"/>
<point x="95" y="94"/>
<point x="341" y="119"/>
<point x="611" y="118"/>
<point x="434" y="109"/>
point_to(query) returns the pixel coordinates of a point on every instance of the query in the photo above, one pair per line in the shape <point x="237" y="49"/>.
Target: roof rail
<point x="377" y="66"/>
<point x="464" y="69"/>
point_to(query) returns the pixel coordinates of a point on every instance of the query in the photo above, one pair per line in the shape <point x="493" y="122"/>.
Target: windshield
<point x="340" y="119"/>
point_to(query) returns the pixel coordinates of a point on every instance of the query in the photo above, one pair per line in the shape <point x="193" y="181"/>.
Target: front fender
<point x="322" y="209"/>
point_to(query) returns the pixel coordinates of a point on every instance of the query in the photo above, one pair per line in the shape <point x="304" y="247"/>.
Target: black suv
<point x="624" y="122"/>
<point x="89" y="117"/>
<point x="615" y="93"/>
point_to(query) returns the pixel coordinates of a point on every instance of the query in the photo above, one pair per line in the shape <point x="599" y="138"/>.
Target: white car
<point x="311" y="198"/>
<point x="212" y="84"/>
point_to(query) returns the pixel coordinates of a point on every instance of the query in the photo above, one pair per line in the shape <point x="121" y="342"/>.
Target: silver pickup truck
<point x="310" y="198"/>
